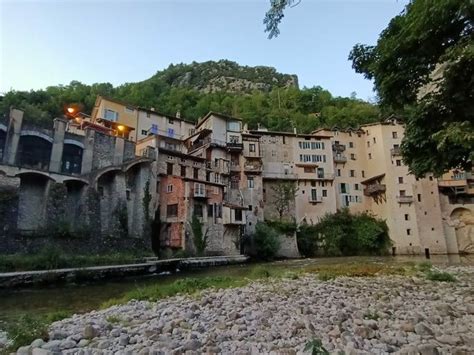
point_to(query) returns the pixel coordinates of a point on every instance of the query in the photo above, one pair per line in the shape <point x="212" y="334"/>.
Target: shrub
<point x="200" y="239"/>
<point x="434" y="275"/>
<point x="267" y="241"/>
<point x="424" y="266"/>
<point x="315" y="347"/>
<point x="308" y="240"/>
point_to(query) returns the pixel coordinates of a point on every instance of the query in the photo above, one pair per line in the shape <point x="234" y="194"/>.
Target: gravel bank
<point x="388" y="314"/>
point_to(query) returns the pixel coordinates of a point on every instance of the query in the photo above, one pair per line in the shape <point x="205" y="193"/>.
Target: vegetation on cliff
<point x="259" y="95"/>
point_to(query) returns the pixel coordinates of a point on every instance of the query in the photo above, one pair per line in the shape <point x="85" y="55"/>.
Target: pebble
<point x="279" y="316"/>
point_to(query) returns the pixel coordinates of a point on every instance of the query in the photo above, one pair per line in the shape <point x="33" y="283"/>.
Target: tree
<point x="200" y="239"/>
<point x="267" y="241"/>
<point x="423" y="69"/>
<point x="275" y="14"/>
<point x="285" y="193"/>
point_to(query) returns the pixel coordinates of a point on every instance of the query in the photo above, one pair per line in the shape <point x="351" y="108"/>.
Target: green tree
<point x="267" y="241"/>
<point x="284" y="196"/>
<point x="423" y="68"/>
<point x="200" y="238"/>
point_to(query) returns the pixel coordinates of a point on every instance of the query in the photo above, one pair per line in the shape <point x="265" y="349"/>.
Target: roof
<point x="221" y="115"/>
<point x="154" y="112"/>
<point x="181" y="154"/>
<point x="372" y="179"/>
<point x="289" y="134"/>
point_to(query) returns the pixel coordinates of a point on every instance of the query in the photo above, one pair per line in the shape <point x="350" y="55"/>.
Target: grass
<point x="434" y="275"/>
<point x="30" y="327"/>
<point x="48" y="259"/>
<point x="328" y="272"/>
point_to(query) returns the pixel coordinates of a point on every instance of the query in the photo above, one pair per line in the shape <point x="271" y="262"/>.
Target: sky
<point x="44" y="43"/>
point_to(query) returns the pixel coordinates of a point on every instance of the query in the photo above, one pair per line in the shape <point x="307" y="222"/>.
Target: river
<point x="78" y="298"/>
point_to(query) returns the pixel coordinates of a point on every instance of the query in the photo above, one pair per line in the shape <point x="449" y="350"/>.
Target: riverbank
<point x="373" y="308"/>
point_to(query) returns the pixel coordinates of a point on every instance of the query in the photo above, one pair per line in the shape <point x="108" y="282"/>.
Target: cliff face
<point x="224" y="75"/>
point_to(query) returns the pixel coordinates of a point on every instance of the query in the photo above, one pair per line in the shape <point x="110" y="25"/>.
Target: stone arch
<point x="463" y="221"/>
<point x="34" y="150"/>
<point x="34" y="174"/>
<point x="135" y="163"/>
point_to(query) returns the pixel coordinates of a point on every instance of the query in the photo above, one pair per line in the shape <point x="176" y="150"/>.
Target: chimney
<point x="294" y="131"/>
<point x="178" y="114"/>
<point x="152" y="109"/>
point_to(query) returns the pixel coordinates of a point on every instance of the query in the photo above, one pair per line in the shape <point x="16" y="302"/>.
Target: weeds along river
<point x="79" y="298"/>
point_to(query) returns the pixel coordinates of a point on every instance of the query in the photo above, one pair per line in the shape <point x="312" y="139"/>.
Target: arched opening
<point x="463" y="220"/>
<point x="3" y="139"/>
<point x="72" y="159"/>
<point x="34" y="152"/>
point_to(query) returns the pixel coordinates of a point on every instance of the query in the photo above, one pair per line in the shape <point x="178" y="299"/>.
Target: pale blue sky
<point x="53" y="42"/>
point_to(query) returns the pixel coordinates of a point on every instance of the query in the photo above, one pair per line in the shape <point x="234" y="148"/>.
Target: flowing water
<point x="85" y="297"/>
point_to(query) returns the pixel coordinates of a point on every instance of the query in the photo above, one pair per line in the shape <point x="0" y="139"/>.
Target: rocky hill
<point x="224" y="75"/>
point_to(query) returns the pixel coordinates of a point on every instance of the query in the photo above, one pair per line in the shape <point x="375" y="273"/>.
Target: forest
<point x="259" y="95"/>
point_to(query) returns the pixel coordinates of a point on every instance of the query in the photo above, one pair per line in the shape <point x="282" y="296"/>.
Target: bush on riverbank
<point x="53" y="258"/>
<point x="343" y="233"/>
<point x="267" y="241"/>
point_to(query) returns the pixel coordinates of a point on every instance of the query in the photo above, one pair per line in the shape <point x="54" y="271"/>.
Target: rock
<point x="39" y="351"/>
<point x="24" y="350"/>
<point x="82" y="343"/>
<point x="365" y="332"/>
<point x="115" y="333"/>
<point x="470" y="308"/>
<point x="123" y="340"/>
<point x="407" y="327"/>
<point x="53" y="345"/>
<point x="448" y="339"/>
<point x="428" y="349"/>
<point x="67" y="344"/>
<point x="104" y="344"/>
<point x="423" y="329"/>
<point x="192" y="345"/>
<point x="38" y="343"/>
<point x="90" y="332"/>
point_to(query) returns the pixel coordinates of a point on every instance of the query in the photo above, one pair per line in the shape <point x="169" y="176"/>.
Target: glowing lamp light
<point x="71" y="110"/>
<point x="120" y="128"/>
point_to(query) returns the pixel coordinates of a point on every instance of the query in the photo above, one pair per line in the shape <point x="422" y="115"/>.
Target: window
<point x="148" y="115"/>
<point x="144" y="132"/>
<point x="402" y="192"/>
<point x="172" y="210"/>
<point x="250" y="207"/>
<point x="408" y="231"/>
<point x="313" y="183"/>
<point x="170" y="121"/>
<point x="370" y="155"/>
<point x="321" y="173"/>
<point x="351" y="145"/>
<point x="342" y="188"/>
<point x="325" y="193"/>
<point x="250" y="182"/>
<point x="394" y="135"/>
<point x="169" y="168"/>
<point x="170" y="132"/>
<point x="368" y="144"/>
<point x="210" y="210"/>
<point x="314" y="195"/>
<point x="400" y="180"/>
<point x="251" y="147"/>
<point x="183" y="171"/>
<point x="398" y="162"/>
<point x="284" y="140"/>
<point x="154" y="129"/>
<point x="363" y="173"/>
<point x="198" y="210"/>
<point x="407" y="217"/>
<point x="353" y="156"/>
<point x="419" y="197"/>
<point x="216" y="178"/>
<point x="338" y="172"/>
<point x="352" y="173"/>
<point x="374" y="140"/>
<point x="110" y="115"/>
<point x="238" y="215"/>
<point x="129" y="109"/>
<point x="356" y="187"/>
<point x="196" y="173"/>
<point x="233" y="126"/>
<point x="234" y="139"/>
<point x="169" y="188"/>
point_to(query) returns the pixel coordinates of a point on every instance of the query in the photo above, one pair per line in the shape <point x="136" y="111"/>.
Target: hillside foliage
<point x="259" y="95"/>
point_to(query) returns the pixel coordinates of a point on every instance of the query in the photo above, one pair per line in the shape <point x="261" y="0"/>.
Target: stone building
<point x="80" y="192"/>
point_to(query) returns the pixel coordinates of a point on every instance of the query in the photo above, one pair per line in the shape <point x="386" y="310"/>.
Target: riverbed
<point x="82" y="298"/>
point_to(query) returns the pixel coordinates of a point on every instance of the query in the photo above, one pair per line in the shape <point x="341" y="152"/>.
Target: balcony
<point x="280" y="175"/>
<point x="235" y="146"/>
<point x="338" y="147"/>
<point x="395" y="152"/>
<point x="339" y="158"/>
<point x="325" y="176"/>
<point x="374" y="189"/>
<point x="234" y="167"/>
<point x="315" y="199"/>
<point x="405" y="199"/>
<point x="253" y="168"/>
<point x="233" y="215"/>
